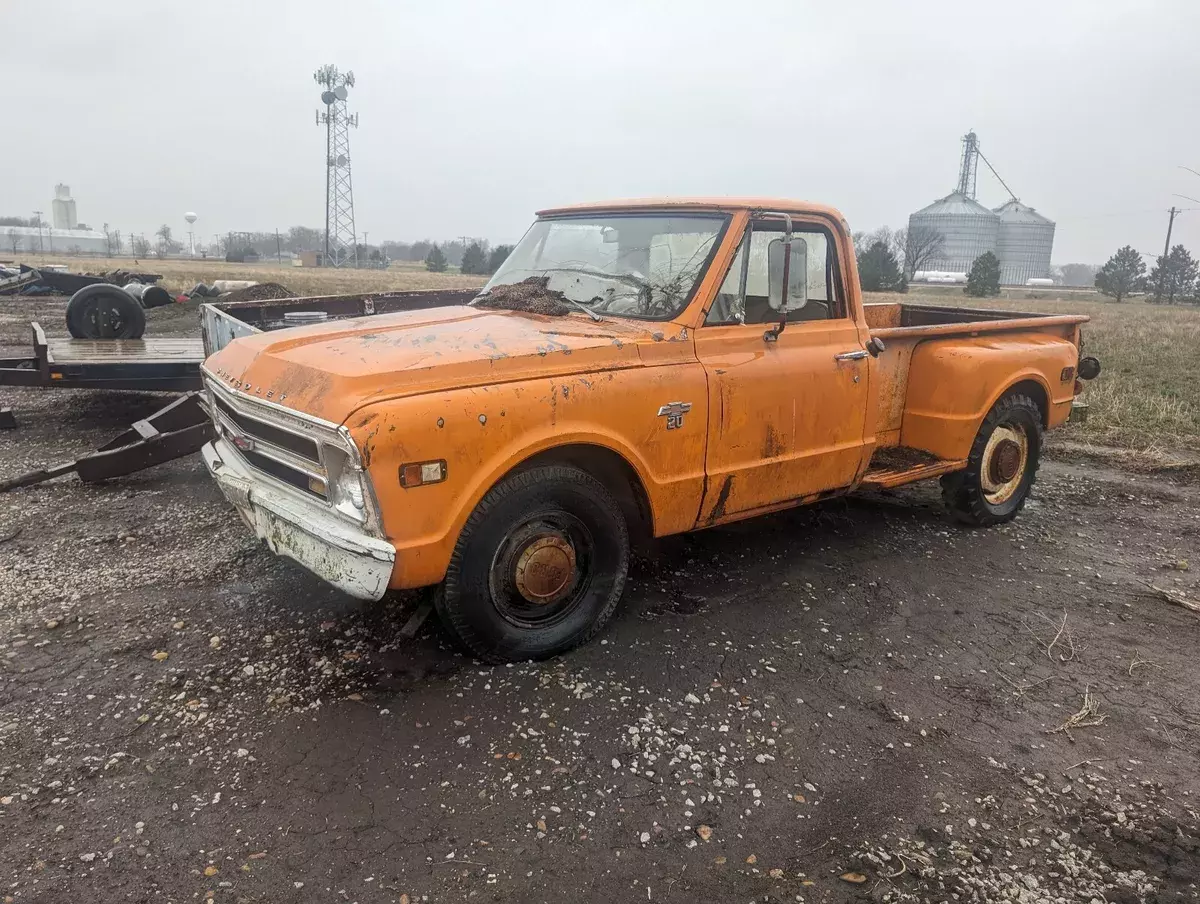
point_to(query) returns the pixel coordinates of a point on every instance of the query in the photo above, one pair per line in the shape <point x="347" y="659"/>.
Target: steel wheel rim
<point x="106" y="319"/>
<point x="555" y="540"/>
<point x="1005" y="460"/>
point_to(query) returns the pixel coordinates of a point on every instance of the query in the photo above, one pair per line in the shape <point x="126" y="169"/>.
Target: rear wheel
<point x="1001" y="467"/>
<point x="539" y="567"/>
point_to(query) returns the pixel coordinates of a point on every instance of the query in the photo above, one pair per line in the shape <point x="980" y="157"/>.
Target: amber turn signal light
<point x="420" y="473"/>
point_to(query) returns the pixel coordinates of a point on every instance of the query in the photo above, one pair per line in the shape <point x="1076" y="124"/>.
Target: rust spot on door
<point x="772" y="443"/>
<point x="718" y="510"/>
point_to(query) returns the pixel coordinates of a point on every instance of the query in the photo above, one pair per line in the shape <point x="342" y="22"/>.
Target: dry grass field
<point x="180" y="275"/>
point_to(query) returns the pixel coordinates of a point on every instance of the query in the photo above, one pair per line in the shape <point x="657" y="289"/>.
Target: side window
<point x="820" y="300"/>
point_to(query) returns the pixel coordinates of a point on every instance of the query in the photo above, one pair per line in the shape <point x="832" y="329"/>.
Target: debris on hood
<point x="530" y="296"/>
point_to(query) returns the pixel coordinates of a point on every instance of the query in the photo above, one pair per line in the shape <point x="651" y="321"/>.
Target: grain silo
<point x="1023" y="244"/>
<point x="969" y="229"/>
<point x="1016" y="233"/>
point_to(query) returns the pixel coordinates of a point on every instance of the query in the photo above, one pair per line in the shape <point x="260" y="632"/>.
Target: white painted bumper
<point x="301" y="529"/>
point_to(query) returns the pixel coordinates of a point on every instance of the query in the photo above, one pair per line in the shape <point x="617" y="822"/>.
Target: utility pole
<point x="278" y="247"/>
<point x="1162" y="269"/>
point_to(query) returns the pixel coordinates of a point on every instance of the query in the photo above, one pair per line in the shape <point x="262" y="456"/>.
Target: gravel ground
<point x="858" y="701"/>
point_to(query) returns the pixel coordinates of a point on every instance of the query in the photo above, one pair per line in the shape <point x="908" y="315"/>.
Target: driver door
<point x="786" y="417"/>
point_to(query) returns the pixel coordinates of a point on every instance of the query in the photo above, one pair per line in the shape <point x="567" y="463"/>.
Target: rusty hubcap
<point x="545" y="571"/>
<point x="1006" y="460"/>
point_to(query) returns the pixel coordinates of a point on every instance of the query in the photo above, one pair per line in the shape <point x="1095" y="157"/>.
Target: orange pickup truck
<point x="634" y="369"/>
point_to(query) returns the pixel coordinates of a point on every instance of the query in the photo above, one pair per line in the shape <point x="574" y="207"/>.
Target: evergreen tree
<point x="498" y="256"/>
<point x="878" y="269"/>
<point x="474" y="261"/>
<point x="435" y="260"/>
<point x="1125" y="272"/>
<point x="984" y="279"/>
<point x="1174" y="277"/>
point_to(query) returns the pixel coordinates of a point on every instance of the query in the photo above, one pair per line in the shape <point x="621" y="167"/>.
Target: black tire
<point x="155" y="297"/>
<point x="104" y="311"/>
<point x="572" y="518"/>
<point x="966" y="493"/>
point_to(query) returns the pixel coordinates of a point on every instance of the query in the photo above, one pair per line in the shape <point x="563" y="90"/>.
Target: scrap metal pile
<point x="26" y="280"/>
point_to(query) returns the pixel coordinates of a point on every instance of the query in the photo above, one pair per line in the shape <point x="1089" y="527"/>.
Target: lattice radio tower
<point x="341" y="247"/>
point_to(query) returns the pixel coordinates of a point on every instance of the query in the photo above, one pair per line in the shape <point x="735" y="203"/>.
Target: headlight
<point x="345" y="481"/>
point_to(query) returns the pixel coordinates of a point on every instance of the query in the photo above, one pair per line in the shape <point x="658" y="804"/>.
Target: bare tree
<point x="900" y="245"/>
<point x="921" y="245"/>
<point x="1079" y="274"/>
<point x="112" y="241"/>
<point x="14" y="239"/>
<point x="166" y="243"/>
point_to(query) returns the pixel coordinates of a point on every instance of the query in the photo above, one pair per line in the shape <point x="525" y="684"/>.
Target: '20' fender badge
<point x="674" y="412"/>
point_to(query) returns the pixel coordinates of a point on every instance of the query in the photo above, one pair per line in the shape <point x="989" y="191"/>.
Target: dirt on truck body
<point x="670" y="366"/>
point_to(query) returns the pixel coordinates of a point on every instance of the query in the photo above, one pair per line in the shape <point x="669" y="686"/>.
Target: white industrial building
<point x="64" y="238"/>
<point x="32" y="240"/>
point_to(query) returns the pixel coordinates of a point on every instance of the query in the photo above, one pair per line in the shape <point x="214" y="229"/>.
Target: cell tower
<point x="341" y="249"/>
<point x="969" y="167"/>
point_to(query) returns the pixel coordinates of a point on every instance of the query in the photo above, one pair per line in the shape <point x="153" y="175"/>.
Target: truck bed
<point x="904" y="327"/>
<point x="896" y="320"/>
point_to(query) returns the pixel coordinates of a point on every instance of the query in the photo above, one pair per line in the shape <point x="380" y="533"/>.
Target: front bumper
<point x="301" y="529"/>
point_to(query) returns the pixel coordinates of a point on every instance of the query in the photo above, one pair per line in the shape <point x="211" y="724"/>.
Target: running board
<point x="887" y="478"/>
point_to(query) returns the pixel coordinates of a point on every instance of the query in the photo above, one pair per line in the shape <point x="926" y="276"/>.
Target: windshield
<point x="642" y="266"/>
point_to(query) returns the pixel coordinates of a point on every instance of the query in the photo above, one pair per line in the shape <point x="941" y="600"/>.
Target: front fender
<point x="953" y="383"/>
<point x="484" y="432"/>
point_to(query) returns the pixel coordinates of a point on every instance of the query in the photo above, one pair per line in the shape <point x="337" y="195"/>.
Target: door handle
<point x="856" y="355"/>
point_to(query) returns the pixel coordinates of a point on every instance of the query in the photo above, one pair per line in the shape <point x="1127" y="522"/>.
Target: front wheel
<point x="539" y="567"/>
<point x="1002" y="464"/>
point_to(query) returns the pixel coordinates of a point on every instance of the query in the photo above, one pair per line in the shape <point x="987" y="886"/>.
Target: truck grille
<point x="268" y="433"/>
<point x="287" y="456"/>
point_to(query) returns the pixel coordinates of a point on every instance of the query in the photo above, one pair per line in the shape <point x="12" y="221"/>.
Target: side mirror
<point x="797" y="290"/>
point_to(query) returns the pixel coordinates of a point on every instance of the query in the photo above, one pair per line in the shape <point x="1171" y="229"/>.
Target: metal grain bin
<point x="970" y="230"/>
<point x="1024" y="243"/>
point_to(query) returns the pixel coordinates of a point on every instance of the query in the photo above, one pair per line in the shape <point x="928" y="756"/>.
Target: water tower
<point x="191" y="219"/>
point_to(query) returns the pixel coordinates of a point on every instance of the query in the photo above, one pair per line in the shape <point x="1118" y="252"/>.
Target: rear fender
<point x="953" y="383"/>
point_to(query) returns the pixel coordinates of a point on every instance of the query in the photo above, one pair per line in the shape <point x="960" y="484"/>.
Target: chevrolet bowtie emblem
<point x="674" y="412"/>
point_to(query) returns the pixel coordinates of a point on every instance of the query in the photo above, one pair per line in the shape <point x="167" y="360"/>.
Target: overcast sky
<point x="473" y="115"/>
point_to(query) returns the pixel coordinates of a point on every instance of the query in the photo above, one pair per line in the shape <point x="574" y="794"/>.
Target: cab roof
<point x="724" y="205"/>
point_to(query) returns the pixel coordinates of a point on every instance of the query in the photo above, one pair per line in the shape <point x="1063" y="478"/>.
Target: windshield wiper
<point x="599" y="274"/>
<point x="579" y="304"/>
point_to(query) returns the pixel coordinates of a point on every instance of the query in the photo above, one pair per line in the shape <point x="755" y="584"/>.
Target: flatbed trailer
<point x="173" y="364"/>
<point x="154" y="363"/>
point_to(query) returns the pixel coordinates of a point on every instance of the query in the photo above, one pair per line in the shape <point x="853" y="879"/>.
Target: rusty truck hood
<point x="330" y="370"/>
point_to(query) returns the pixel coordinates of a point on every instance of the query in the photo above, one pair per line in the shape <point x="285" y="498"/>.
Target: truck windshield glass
<point x="625" y="266"/>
